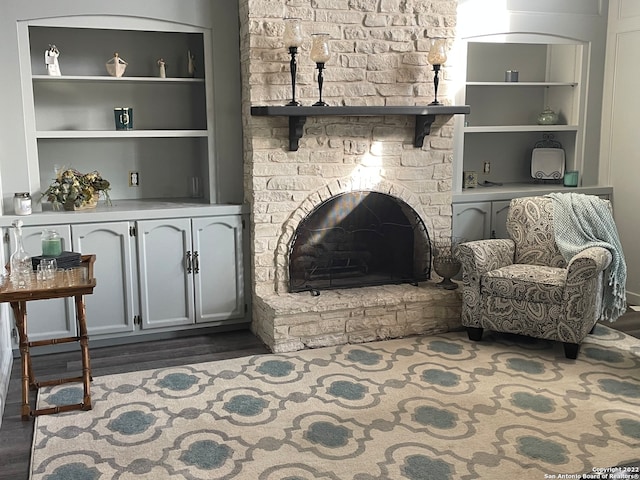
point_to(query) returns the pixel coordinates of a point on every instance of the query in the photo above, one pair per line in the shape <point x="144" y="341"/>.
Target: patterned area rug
<point x="436" y="407"/>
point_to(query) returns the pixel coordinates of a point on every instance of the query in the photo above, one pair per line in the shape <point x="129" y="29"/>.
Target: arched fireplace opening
<point x="358" y="239"/>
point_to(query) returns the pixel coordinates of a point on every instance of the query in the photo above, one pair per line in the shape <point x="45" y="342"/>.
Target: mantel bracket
<point x="296" y="129"/>
<point x="423" y="128"/>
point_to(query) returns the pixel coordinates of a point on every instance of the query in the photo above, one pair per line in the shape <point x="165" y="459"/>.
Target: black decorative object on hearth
<point x="445" y="262"/>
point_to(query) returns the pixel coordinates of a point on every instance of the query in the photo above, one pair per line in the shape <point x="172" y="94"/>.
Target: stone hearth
<point x="293" y="321"/>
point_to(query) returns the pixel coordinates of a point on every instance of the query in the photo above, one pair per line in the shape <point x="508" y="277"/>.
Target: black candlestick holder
<point x="320" y="103"/>
<point x="436" y="82"/>
<point x="293" y="66"/>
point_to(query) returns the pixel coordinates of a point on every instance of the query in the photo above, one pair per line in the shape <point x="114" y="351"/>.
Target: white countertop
<point x="508" y="191"/>
<point x="126" y="210"/>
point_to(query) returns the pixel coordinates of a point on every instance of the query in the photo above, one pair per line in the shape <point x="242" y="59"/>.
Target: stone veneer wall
<point x="379" y="57"/>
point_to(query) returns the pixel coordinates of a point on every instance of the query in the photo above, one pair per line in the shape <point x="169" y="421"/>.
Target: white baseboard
<point x="633" y="298"/>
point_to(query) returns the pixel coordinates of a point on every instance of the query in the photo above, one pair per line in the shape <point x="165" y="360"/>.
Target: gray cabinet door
<point x="218" y="278"/>
<point x="472" y="221"/>
<point x="499" y="212"/>
<point x="53" y="318"/>
<point x="166" y="285"/>
<point x="111" y="308"/>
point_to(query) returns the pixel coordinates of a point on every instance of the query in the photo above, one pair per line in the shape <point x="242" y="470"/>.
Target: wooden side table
<point x="66" y="284"/>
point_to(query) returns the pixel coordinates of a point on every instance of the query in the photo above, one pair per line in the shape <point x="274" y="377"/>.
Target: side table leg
<point x="84" y="347"/>
<point x="20" y="313"/>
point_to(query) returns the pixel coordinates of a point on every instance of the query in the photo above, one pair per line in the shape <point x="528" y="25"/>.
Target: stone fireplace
<point x="379" y="50"/>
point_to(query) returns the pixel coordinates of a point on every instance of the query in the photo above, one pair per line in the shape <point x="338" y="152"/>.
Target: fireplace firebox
<point x="358" y="239"/>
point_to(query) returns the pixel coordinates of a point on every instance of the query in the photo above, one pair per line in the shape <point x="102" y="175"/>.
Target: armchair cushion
<point x="531" y="283"/>
<point x="530" y="225"/>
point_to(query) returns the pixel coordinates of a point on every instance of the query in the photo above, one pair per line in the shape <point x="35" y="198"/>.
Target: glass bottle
<point x="21" y="267"/>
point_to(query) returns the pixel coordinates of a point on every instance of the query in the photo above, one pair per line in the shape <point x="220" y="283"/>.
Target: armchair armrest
<point x="477" y="258"/>
<point x="587" y="264"/>
<point x="583" y="291"/>
<point x="482" y="256"/>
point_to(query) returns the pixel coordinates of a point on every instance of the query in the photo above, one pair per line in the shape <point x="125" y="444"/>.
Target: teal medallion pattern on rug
<point x="206" y="454"/>
<point x="131" y="423"/>
<point x="177" y="381"/>
<point x="422" y="408"/>
<point x="67" y="396"/>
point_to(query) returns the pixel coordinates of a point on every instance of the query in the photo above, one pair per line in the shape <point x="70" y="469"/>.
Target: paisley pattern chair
<point x="523" y="285"/>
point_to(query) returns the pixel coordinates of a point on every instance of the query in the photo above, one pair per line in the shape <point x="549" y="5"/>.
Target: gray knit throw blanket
<point x="582" y="221"/>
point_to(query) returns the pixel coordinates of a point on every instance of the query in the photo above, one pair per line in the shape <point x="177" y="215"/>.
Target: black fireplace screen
<point x="359" y="239"/>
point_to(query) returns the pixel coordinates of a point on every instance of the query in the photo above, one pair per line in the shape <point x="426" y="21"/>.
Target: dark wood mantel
<point x="425" y="116"/>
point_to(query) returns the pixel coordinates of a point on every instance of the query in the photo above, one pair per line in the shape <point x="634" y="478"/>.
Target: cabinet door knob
<point x="196" y="262"/>
<point x="188" y="261"/>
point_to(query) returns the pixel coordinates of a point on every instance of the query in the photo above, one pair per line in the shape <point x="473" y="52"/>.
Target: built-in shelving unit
<point x="502" y="129"/>
<point x="71" y="117"/>
<point x="495" y="141"/>
<point x="177" y="208"/>
<point x="425" y="116"/>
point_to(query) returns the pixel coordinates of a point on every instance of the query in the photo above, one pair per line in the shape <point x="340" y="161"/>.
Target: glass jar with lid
<point x="547" y="117"/>
<point x="22" y="203"/>
<point x="51" y="243"/>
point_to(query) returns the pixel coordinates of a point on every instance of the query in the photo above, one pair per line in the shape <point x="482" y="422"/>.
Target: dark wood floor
<point x="16" y="435"/>
<point x="629" y="323"/>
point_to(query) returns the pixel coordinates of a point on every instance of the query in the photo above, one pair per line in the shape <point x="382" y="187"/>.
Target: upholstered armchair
<point x="523" y="285"/>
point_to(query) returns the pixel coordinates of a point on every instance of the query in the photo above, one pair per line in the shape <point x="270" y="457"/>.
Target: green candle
<point x="51" y="247"/>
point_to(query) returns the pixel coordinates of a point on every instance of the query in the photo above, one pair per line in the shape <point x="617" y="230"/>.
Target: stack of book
<point x="64" y="260"/>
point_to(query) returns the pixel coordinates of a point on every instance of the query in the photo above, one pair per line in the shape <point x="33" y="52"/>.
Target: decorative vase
<point x="547" y="117"/>
<point x="447" y="267"/>
<point x="445" y="263"/>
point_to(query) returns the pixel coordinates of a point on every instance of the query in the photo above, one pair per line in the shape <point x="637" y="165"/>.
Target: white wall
<point x="620" y="149"/>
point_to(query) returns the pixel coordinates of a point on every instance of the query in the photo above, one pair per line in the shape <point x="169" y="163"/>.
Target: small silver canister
<point x="511" y="76"/>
